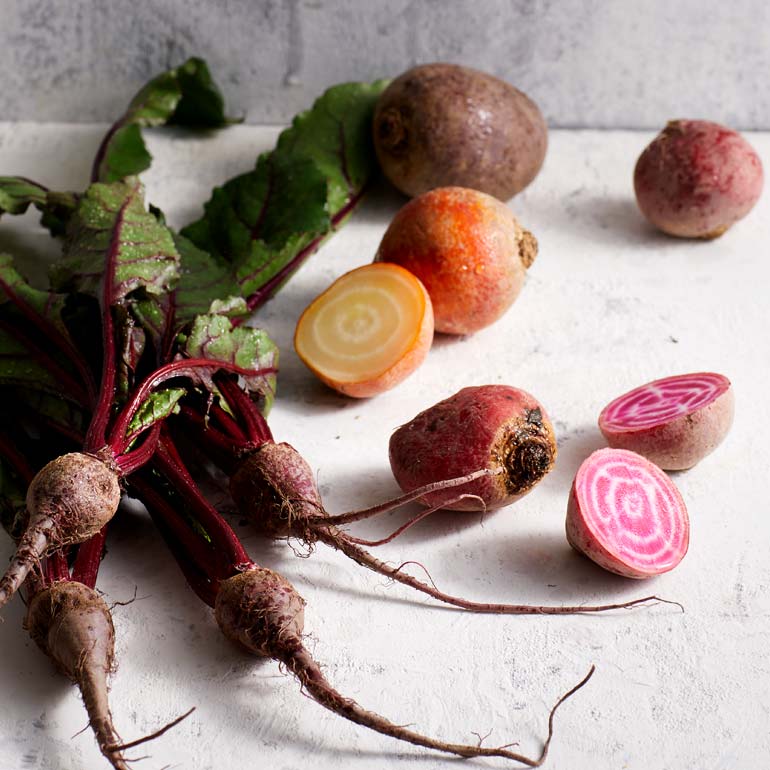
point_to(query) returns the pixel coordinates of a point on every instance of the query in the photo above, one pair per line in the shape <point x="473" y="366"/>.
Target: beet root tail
<point x="31" y="548"/>
<point x="301" y="664"/>
<point x="339" y="540"/>
<point x="71" y="623"/>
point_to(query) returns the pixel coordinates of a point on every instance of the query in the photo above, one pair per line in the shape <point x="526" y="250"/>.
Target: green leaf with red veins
<point x="213" y="337"/>
<point x="266" y="222"/>
<point x="185" y="96"/>
<point x="336" y="134"/>
<point x="112" y="234"/>
<point x="206" y="285"/>
<point x="157" y="406"/>
<point x="17" y="194"/>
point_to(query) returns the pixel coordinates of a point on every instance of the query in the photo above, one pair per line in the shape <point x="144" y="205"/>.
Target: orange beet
<point x="469" y="251"/>
<point x="368" y="331"/>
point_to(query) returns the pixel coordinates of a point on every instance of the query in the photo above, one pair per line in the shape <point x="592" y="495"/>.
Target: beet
<point x="490" y="426"/>
<point x="72" y="624"/>
<point x="674" y="422"/>
<point x="697" y="178"/>
<point x="69" y="501"/>
<point x="626" y="514"/>
<point x="261" y="612"/>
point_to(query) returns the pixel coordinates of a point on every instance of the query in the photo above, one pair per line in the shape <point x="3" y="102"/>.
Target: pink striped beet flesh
<point x="625" y="514"/>
<point x="674" y="422"/>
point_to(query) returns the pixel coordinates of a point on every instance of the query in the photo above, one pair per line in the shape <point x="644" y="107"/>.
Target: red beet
<point x="489" y="426"/>
<point x="261" y="611"/>
<point x="697" y="178"/>
<point x="625" y="514"/>
<point x="674" y="422"/>
<point x="69" y="501"/>
<point x="72" y="624"/>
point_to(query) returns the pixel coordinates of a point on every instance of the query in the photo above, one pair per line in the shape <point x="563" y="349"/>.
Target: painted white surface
<point x="609" y="304"/>
<point x="587" y="63"/>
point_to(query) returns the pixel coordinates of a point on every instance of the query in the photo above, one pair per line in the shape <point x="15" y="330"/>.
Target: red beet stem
<point x="97" y="429"/>
<point x="132" y="461"/>
<point x="193" y="554"/>
<point x="88" y="559"/>
<point x="118" y="439"/>
<point x="226" y="544"/>
<point x="257" y="429"/>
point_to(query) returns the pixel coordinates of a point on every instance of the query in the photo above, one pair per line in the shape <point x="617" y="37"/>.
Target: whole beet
<point x="69" y="500"/>
<point x="489" y="426"/>
<point x="697" y="178"/>
<point x="440" y="125"/>
<point x="469" y="251"/>
<point x="72" y="624"/>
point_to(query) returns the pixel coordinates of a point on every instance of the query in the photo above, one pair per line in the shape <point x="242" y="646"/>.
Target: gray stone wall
<point x="588" y="63"/>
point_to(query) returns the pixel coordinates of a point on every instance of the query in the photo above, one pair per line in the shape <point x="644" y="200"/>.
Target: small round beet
<point x="489" y="426"/>
<point x="442" y="124"/>
<point x="697" y="178"/>
<point x="626" y="514"/>
<point x="469" y="251"/>
<point x="674" y="422"/>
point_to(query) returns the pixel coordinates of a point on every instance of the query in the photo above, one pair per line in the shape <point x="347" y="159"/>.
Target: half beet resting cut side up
<point x="674" y="422"/>
<point x="625" y="514"/>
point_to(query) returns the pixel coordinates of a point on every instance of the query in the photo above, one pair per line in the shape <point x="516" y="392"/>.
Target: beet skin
<point x="490" y="426"/>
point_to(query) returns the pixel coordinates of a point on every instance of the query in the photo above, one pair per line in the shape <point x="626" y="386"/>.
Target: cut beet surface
<point x="625" y="514"/>
<point x="674" y="422"/>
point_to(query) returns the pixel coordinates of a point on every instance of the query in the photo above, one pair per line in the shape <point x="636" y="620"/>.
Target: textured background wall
<point x="604" y="63"/>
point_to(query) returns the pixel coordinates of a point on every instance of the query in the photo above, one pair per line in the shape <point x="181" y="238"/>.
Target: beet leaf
<point x="17" y="194"/>
<point x="111" y="225"/>
<point x="185" y="95"/>
<point x="214" y="337"/>
<point x="266" y="222"/>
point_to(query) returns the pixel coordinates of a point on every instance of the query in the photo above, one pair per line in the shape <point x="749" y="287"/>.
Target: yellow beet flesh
<point x="368" y="331"/>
